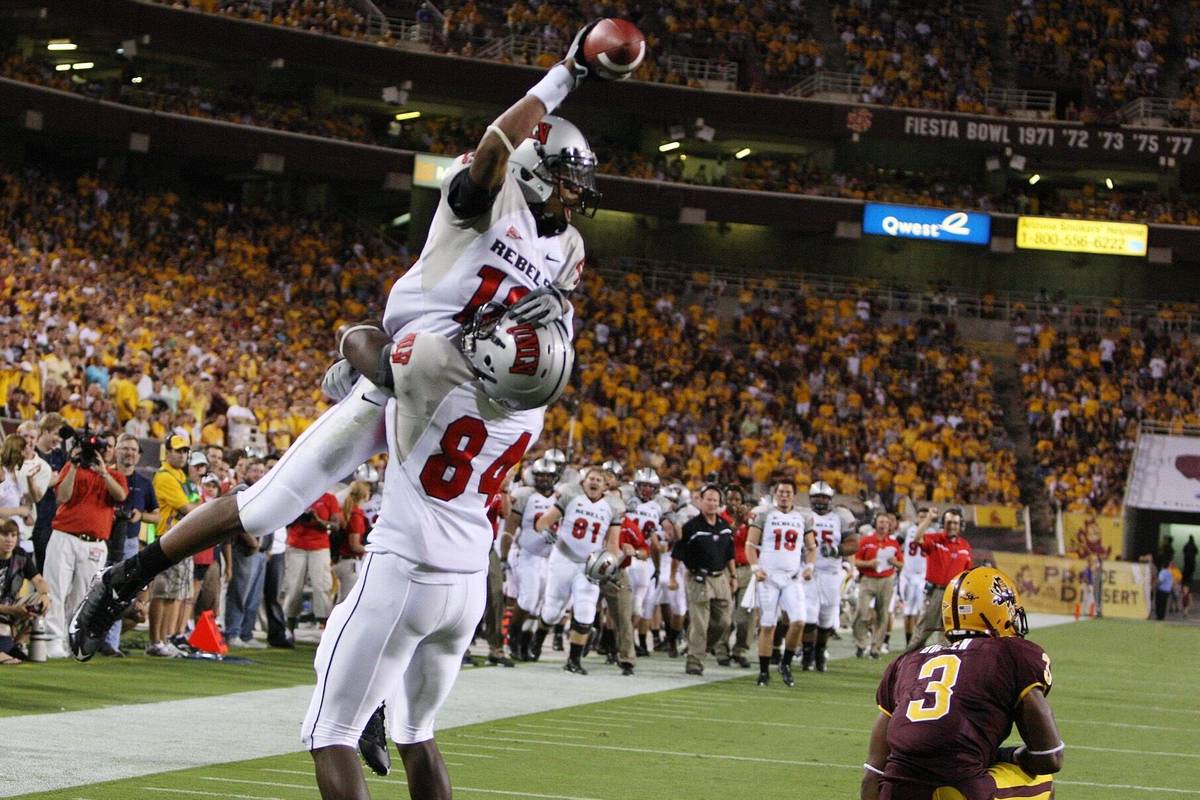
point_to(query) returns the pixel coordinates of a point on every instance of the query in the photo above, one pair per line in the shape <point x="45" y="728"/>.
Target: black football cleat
<point x="785" y="672"/>
<point x="742" y="662"/>
<point x="626" y="669"/>
<point x="500" y="660"/>
<point x="373" y="744"/>
<point x="764" y="679"/>
<point x="574" y="667"/>
<point x="101" y="607"/>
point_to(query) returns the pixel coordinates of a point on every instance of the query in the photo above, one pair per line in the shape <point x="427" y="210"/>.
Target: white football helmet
<point x="557" y="456"/>
<point x="683" y="495"/>
<point x="613" y="466"/>
<point x="603" y="567"/>
<point x="645" y="483"/>
<point x="818" y="490"/>
<point x="545" y="475"/>
<point x="368" y="473"/>
<point x="556" y="151"/>
<point x="521" y="366"/>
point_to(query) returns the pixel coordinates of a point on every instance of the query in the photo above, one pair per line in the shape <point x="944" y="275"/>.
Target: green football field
<point x="1127" y="696"/>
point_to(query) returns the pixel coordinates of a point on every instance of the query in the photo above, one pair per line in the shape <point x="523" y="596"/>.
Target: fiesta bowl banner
<point x="1050" y="584"/>
<point x="930" y="224"/>
<point x="1082" y="236"/>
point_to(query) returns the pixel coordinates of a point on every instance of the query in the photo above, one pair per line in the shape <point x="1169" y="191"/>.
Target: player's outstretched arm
<point x="1043" y="748"/>
<point x="367" y="349"/>
<point x="877" y="756"/>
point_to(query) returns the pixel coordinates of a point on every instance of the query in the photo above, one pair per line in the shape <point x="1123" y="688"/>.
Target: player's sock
<point x="642" y="641"/>
<point x="776" y="655"/>
<point x="656" y="637"/>
<point x="806" y="655"/>
<point x="907" y="638"/>
<point x="887" y="638"/>
<point x="787" y="657"/>
<point x="135" y="574"/>
<point x="764" y="664"/>
<point x="576" y="652"/>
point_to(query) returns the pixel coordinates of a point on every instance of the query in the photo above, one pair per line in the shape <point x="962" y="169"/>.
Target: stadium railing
<point x="711" y="73"/>
<point x="1024" y="103"/>
<point x="402" y="32"/>
<point x="1153" y="112"/>
<point x="827" y="85"/>
<point x="846" y="87"/>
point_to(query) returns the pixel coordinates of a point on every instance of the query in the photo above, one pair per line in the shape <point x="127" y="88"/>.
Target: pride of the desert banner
<point x="1050" y="584"/>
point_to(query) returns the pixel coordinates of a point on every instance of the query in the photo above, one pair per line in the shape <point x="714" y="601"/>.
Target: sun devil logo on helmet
<point x="525" y="361"/>
<point x="1002" y="593"/>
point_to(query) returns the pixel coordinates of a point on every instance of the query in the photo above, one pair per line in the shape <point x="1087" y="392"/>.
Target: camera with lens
<point x="84" y="447"/>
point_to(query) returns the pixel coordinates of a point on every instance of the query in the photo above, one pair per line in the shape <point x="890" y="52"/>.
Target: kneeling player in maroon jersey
<point x="946" y="709"/>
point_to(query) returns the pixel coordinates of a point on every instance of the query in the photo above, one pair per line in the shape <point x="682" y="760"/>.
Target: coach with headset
<point x="947" y="553"/>
<point x="705" y="548"/>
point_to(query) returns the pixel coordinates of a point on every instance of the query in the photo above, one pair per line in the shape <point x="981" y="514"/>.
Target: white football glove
<point x="544" y="304"/>
<point x="550" y="536"/>
<point x="583" y="67"/>
<point x="339" y="380"/>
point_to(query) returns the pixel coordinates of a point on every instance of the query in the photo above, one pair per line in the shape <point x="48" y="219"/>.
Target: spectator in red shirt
<point x="737" y="513"/>
<point x="879" y="554"/>
<point x="947" y="553"/>
<point x="88" y="493"/>
<point x="307" y="558"/>
<point x="353" y="539"/>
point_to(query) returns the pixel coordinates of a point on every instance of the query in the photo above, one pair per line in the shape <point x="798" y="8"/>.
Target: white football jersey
<point x="467" y="263"/>
<point x="449" y="449"/>
<point x="531" y="504"/>
<point x="648" y="513"/>
<point x="585" y="522"/>
<point x="914" y="556"/>
<point x="828" y="530"/>
<point x="782" y="546"/>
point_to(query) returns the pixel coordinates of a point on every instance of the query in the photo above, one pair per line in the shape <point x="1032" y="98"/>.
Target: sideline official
<point x="705" y="548"/>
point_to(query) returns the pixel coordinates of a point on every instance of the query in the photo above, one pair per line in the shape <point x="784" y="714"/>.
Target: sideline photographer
<point x="88" y="493"/>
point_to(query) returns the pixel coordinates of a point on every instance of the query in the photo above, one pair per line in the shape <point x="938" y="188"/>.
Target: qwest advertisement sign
<point x="929" y="224"/>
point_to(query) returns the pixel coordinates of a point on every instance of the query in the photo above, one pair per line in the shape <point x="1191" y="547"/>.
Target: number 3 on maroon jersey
<point x="446" y="474"/>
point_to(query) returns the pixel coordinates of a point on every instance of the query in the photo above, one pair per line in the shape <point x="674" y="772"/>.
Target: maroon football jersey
<point x="951" y="706"/>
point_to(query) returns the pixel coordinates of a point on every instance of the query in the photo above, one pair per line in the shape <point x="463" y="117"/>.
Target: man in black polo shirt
<point x="705" y="548"/>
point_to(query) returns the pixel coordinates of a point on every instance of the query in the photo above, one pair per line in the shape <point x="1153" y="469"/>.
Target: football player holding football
<point x="946" y="709"/>
<point x="501" y="233"/>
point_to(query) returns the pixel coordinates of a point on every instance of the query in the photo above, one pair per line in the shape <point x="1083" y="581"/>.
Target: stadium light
<point x="1109" y="183"/>
<point x="740" y="154"/>
<point x="406" y="115"/>
<point x="136" y="79"/>
<point x="667" y="147"/>
<point x="61" y="44"/>
<point x="62" y="67"/>
<point x="83" y="65"/>
<point x="1034" y="178"/>
<point x="683" y="156"/>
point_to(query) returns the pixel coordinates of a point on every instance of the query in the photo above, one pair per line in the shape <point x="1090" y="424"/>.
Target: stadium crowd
<point x="1086" y="392"/>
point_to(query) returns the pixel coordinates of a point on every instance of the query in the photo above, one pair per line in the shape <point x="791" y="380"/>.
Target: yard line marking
<point x="723" y="721"/>
<point x="211" y="794"/>
<point x="489" y="746"/>
<point x="457" y="788"/>
<point x="536" y="730"/>
<point x="1108" y="704"/>
<point x="1130" y="786"/>
<point x="1134" y="752"/>
<point x="575" y="721"/>
<point x="1126" y="725"/>
<point x="260" y="783"/>
<point x="468" y="755"/>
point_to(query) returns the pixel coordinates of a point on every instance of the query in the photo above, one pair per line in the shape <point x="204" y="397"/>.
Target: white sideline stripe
<point x="402" y="782"/>
<point x="211" y="794"/>
<point x="489" y="746"/>
<point x="722" y="721"/>
<point x="308" y="786"/>
<point x="1126" y="725"/>
<point x="537" y="730"/>
<point x="467" y="755"/>
<point x="584" y="721"/>
<point x="1132" y="752"/>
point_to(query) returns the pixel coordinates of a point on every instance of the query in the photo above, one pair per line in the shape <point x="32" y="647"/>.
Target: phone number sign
<point x="1082" y="236"/>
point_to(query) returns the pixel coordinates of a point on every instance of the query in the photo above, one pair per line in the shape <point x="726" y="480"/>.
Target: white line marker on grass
<point x="211" y="794"/>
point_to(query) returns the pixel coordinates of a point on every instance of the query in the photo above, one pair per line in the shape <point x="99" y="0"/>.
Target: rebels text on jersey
<point x="782" y="546"/>
<point x="531" y="504"/>
<point x="496" y="256"/>
<point x="449" y="448"/>
<point x="585" y="522"/>
<point x="828" y="530"/>
<point x="952" y="705"/>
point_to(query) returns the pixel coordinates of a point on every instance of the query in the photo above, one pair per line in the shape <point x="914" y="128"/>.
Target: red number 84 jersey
<point x="449" y="449"/>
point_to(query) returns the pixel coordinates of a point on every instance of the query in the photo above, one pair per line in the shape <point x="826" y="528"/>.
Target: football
<point x="616" y="46"/>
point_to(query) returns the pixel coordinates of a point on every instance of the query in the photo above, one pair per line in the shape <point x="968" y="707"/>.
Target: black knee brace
<point x="578" y="627"/>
